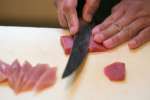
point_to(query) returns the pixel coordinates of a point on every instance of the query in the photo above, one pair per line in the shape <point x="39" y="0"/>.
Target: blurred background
<point x="28" y="13"/>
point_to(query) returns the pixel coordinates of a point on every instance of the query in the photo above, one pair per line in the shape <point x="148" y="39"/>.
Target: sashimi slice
<point x="67" y="44"/>
<point x="14" y="73"/>
<point x="115" y="71"/>
<point x="4" y="71"/>
<point x="25" y="68"/>
<point x="34" y="76"/>
<point x="46" y="80"/>
<point x="2" y="77"/>
<point x="95" y="47"/>
<point x="25" y="78"/>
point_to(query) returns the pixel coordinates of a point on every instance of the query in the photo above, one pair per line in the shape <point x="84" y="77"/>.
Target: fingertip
<point x="98" y="38"/>
<point x="73" y="30"/>
<point x="95" y="30"/>
<point x="108" y="43"/>
<point x="132" y="44"/>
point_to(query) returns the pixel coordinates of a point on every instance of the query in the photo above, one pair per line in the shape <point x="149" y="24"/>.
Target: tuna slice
<point x="4" y="69"/>
<point x="34" y="75"/>
<point x="46" y="80"/>
<point x="25" y="69"/>
<point x="67" y="43"/>
<point x="95" y="47"/>
<point x="115" y="71"/>
<point x="14" y="73"/>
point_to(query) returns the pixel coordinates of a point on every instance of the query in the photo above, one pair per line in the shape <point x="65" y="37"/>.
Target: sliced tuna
<point x="34" y="76"/>
<point x="115" y="71"/>
<point x="25" y="69"/>
<point x="67" y="43"/>
<point x="14" y="73"/>
<point x="46" y="80"/>
<point x="4" y="71"/>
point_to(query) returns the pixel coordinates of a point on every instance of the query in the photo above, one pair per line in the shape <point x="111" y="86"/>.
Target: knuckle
<point x="67" y="6"/>
<point x="143" y="21"/>
<point x="111" y="18"/>
<point x="92" y="4"/>
<point x="116" y="38"/>
<point x="115" y="8"/>
<point x="128" y="31"/>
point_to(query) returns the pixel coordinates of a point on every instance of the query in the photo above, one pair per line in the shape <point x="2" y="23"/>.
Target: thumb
<point x="89" y="9"/>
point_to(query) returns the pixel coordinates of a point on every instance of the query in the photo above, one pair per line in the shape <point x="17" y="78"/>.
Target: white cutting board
<point x="42" y="45"/>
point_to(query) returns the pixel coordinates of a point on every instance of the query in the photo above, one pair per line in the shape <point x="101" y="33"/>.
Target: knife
<point x="82" y="38"/>
<point x="80" y="48"/>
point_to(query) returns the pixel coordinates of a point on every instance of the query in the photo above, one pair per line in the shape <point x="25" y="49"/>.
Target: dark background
<point x="32" y="12"/>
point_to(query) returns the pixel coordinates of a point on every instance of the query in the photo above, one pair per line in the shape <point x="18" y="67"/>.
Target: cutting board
<point x="42" y="45"/>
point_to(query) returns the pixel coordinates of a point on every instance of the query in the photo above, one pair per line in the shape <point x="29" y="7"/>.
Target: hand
<point x="67" y="14"/>
<point x="130" y="20"/>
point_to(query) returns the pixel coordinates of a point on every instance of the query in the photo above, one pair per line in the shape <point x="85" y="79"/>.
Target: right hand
<point x="67" y="14"/>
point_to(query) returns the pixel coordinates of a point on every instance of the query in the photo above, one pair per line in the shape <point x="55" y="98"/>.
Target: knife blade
<point x="80" y="48"/>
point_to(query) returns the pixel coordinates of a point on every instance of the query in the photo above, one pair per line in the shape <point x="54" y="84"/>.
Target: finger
<point x="111" y="30"/>
<point x="62" y="19"/>
<point x="57" y="2"/>
<point x="127" y="32"/>
<point x="89" y="9"/>
<point x="108" y="21"/>
<point x="140" y="39"/>
<point x="71" y="15"/>
<point x="115" y="8"/>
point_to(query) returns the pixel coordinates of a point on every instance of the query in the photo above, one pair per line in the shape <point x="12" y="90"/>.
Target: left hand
<point x="130" y="20"/>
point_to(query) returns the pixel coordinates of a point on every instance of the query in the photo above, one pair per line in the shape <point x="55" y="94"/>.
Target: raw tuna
<point x="115" y="71"/>
<point x="34" y="76"/>
<point x="3" y="71"/>
<point x="14" y="73"/>
<point x="25" y="77"/>
<point x="25" y="69"/>
<point x="95" y="47"/>
<point x="46" y="80"/>
<point x="67" y="43"/>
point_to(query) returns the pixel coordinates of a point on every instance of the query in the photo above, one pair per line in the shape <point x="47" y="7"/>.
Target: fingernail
<point x="108" y="43"/>
<point x="99" y="38"/>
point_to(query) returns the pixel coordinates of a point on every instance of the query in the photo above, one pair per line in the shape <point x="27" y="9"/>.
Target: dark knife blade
<point x="79" y="50"/>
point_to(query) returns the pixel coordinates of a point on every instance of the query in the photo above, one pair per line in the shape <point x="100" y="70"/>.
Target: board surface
<point x="42" y="45"/>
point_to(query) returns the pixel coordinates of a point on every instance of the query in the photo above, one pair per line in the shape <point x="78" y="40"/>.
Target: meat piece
<point x="67" y="43"/>
<point x="34" y="75"/>
<point x="14" y="73"/>
<point x="2" y="77"/>
<point x="46" y="80"/>
<point x="25" y="78"/>
<point x="25" y="69"/>
<point x="3" y="71"/>
<point x="95" y="47"/>
<point x="115" y="71"/>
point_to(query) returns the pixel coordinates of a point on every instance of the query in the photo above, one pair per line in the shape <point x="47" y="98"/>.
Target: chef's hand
<point x="67" y="14"/>
<point x="130" y="20"/>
